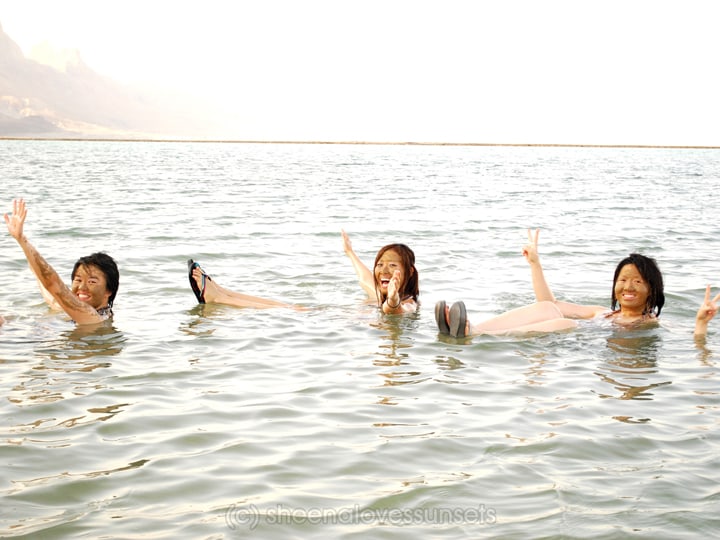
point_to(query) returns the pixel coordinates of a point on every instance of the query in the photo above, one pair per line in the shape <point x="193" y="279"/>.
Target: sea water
<point x="180" y="420"/>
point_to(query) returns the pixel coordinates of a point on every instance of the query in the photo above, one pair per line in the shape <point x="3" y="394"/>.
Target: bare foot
<point x="211" y="292"/>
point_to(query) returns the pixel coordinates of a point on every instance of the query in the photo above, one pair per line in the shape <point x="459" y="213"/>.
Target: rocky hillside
<point x="40" y="101"/>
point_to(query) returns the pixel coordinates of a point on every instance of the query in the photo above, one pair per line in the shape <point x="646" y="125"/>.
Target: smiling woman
<point x="637" y="298"/>
<point x="394" y="282"/>
<point x="95" y="278"/>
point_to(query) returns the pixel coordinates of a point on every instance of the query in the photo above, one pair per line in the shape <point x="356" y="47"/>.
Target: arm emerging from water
<point x="364" y="274"/>
<point x="707" y="311"/>
<point x="48" y="278"/>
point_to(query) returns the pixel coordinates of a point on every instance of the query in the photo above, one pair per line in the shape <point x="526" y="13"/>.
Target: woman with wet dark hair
<point x="637" y="298"/>
<point x="393" y="283"/>
<point x="648" y="270"/>
<point x="95" y="278"/>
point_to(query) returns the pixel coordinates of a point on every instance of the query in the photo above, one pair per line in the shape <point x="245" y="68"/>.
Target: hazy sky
<point x="524" y="71"/>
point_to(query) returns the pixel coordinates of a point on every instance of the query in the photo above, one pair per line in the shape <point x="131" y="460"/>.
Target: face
<point x="385" y="268"/>
<point x="631" y="289"/>
<point x="89" y="285"/>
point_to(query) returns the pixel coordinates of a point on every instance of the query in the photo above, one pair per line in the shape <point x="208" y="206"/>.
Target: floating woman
<point x="394" y="281"/>
<point x="636" y="300"/>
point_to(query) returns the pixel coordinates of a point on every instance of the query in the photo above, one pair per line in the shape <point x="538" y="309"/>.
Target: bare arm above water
<point x="47" y="277"/>
<point x="364" y="274"/>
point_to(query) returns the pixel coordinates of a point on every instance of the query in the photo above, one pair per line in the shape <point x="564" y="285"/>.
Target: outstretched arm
<point x="46" y="295"/>
<point x="530" y="252"/>
<point x="48" y="278"/>
<point x="365" y="276"/>
<point x="707" y="311"/>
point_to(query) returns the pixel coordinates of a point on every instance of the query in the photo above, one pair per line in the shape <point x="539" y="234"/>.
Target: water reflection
<point x="397" y="342"/>
<point x="705" y="355"/>
<point x="199" y="325"/>
<point x="84" y="342"/>
<point x="63" y="362"/>
<point x="631" y="361"/>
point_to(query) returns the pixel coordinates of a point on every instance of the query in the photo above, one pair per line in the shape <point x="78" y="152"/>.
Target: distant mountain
<point x="40" y="101"/>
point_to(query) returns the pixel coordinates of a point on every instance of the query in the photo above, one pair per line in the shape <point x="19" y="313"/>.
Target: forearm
<point x="50" y="282"/>
<point x="49" y="299"/>
<point x="365" y="276"/>
<point x="540" y="286"/>
<point x="396" y="307"/>
<point x="700" y="328"/>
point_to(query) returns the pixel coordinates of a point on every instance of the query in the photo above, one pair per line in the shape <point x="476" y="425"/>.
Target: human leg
<point x="538" y="317"/>
<point x="212" y="293"/>
<point x="522" y="317"/>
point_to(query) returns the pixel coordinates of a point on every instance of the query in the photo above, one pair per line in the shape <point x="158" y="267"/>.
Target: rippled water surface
<point x="187" y="421"/>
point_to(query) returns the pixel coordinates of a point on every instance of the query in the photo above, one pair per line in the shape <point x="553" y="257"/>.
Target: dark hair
<point x="411" y="285"/>
<point x="108" y="267"/>
<point x="650" y="272"/>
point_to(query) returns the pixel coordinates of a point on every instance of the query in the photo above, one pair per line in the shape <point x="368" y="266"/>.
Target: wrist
<point x="390" y="304"/>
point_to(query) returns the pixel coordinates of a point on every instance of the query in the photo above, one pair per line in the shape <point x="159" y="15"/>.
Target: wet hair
<point x="410" y="286"/>
<point x="107" y="265"/>
<point x="650" y="272"/>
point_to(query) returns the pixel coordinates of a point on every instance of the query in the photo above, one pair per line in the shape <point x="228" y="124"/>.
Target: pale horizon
<point x="558" y="73"/>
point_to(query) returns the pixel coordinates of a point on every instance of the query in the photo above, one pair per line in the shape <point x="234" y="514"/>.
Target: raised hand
<point x="530" y="250"/>
<point x="16" y="220"/>
<point x="393" y="296"/>
<point x="347" y="245"/>
<point x="709" y="307"/>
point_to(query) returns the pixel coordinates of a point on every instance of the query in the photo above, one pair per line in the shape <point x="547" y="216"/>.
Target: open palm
<point x="16" y="220"/>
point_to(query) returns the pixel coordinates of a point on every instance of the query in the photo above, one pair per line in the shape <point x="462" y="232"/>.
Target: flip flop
<point x="199" y="293"/>
<point x="440" y="317"/>
<point x="458" y="320"/>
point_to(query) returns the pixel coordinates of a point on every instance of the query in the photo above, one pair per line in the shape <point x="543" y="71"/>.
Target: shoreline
<point x="365" y="143"/>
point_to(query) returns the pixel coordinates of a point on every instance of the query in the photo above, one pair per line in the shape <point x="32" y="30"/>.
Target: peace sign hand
<point x="530" y="251"/>
<point x="709" y="307"/>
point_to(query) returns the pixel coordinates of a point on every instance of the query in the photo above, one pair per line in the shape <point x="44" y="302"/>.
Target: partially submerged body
<point x="637" y="299"/>
<point x="393" y="283"/>
<point x="95" y="278"/>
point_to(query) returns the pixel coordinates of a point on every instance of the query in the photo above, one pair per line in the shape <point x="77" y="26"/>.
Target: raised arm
<point x="47" y="277"/>
<point x="542" y="289"/>
<point x="707" y="311"/>
<point x="365" y="276"/>
<point x="46" y="294"/>
<point x="530" y="252"/>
